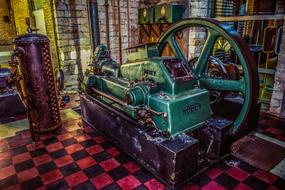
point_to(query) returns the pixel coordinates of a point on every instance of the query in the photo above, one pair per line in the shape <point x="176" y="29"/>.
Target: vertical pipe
<point x="93" y="15"/>
<point x="128" y="22"/>
<point x="120" y="32"/>
<point x="282" y="114"/>
<point x="107" y="25"/>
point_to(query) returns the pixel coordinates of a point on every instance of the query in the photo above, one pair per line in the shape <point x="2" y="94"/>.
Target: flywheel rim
<point x="217" y="29"/>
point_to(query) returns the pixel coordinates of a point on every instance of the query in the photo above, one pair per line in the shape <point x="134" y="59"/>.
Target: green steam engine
<point x="167" y="112"/>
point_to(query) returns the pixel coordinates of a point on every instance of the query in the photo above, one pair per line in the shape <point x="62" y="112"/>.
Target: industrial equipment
<point x="32" y="73"/>
<point x="171" y="114"/>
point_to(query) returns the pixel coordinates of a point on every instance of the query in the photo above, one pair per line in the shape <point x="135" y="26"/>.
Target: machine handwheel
<point x="246" y="86"/>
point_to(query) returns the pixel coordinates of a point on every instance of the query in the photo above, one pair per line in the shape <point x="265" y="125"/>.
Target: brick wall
<point x="197" y="36"/>
<point x="113" y="24"/>
<point x="75" y="38"/>
<point x="21" y="12"/>
<point x="6" y="29"/>
<point x="279" y="85"/>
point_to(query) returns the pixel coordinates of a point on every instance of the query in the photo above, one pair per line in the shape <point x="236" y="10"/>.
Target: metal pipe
<point x="112" y="98"/>
<point x="107" y="26"/>
<point x="93" y="15"/>
<point x="128" y="23"/>
<point x="120" y="32"/>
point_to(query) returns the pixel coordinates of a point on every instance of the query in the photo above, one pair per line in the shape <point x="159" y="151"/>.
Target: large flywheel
<point x="244" y="87"/>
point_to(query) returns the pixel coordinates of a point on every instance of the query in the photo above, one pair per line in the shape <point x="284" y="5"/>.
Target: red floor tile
<point x="113" y="151"/>
<point x="102" y="181"/>
<point x="213" y="186"/>
<point x="153" y="184"/>
<point x="242" y="186"/>
<point x="76" y="178"/>
<point x="129" y="182"/>
<point x="82" y="138"/>
<point x="94" y="149"/>
<point x="238" y="173"/>
<point x="45" y="158"/>
<point x="6" y="172"/>
<point x="109" y="164"/>
<point x="214" y="172"/>
<point x="51" y="176"/>
<point x="35" y="146"/>
<point x="73" y="148"/>
<point x="86" y="162"/>
<point x="99" y="139"/>
<point x="4" y="155"/>
<point x="21" y="158"/>
<point x="64" y="136"/>
<point x="88" y="130"/>
<point x="63" y="161"/>
<point x="27" y="174"/>
<point x="132" y="167"/>
<point x="54" y="147"/>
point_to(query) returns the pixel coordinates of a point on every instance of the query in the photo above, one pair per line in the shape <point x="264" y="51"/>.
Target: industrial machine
<point x="174" y="115"/>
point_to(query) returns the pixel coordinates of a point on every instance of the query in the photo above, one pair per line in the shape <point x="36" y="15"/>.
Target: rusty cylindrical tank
<point x="32" y="66"/>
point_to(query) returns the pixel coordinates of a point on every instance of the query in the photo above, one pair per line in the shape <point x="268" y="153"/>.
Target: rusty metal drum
<point x="37" y="82"/>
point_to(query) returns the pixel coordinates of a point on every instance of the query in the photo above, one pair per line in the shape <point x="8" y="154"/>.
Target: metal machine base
<point x="11" y="105"/>
<point x="174" y="160"/>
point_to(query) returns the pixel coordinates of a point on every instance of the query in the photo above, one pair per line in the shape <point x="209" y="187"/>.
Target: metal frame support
<point x="94" y="23"/>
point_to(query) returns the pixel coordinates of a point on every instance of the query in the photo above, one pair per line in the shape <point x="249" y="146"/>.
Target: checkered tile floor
<point x="79" y="158"/>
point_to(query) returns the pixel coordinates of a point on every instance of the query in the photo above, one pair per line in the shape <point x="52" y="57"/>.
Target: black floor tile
<point x="85" y="186"/>
<point x="69" y="169"/>
<point x="58" y="185"/>
<point x="101" y="156"/>
<point x="255" y="183"/>
<point x="226" y="181"/>
<point x="46" y="167"/>
<point x="118" y="173"/>
<point x="9" y="181"/>
<point x="32" y="184"/>
<point x="38" y="152"/>
<point x="58" y="154"/>
<point x="24" y="165"/>
<point x="79" y="155"/>
<point x="94" y="171"/>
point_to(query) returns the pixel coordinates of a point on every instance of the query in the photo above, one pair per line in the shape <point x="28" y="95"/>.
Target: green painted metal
<point x="146" y="15"/>
<point x="168" y="13"/>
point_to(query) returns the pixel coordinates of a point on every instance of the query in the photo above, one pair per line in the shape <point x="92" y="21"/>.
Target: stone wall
<point x="279" y="85"/>
<point x="6" y="28"/>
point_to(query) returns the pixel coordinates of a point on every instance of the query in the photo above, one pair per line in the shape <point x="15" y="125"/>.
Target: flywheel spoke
<point x="175" y="47"/>
<point x="205" y="54"/>
<point x="223" y="85"/>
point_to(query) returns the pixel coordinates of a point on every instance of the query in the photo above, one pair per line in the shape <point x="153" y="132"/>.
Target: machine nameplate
<point x="190" y="108"/>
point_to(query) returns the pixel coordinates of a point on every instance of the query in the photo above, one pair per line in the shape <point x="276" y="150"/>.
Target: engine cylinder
<point x="37" y="86"/>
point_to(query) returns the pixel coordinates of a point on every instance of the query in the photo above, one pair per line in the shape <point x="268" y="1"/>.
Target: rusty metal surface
<point x="258" y="152"/>
<point x="172" y="160"/>
<point x="34" y="72"/>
